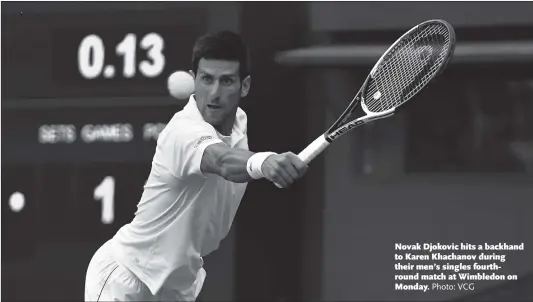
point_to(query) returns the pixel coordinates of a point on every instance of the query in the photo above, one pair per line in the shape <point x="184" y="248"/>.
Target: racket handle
<point x="309" y="153"/>
<point x="315" y="148"/>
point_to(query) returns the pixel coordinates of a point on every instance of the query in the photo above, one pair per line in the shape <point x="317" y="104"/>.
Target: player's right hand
<point x="284" y="169"/>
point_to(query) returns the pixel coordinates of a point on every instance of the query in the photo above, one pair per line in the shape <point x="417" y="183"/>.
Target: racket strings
<point x="401" y="69"/>
<point x="407" y="68"/>
<point x="408" y="65"/>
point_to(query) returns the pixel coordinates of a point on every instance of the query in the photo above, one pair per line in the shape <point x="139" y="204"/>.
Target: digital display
<point x="91" y="56"/>
<point x="105" y="54"/>
<point x="124" y="57"/>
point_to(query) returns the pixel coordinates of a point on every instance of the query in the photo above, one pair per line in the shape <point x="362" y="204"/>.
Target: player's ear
<point x="192" y="74"/>
<point x="245" y="87"/>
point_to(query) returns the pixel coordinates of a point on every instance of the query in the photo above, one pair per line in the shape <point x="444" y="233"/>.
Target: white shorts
<point x="106" y="280"/>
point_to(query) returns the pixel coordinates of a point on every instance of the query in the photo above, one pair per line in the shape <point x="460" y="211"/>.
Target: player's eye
<point x="207" y="79"/>
<point x="226" y="81"/>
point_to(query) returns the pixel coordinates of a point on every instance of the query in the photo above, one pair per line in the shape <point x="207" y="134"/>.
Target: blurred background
<point x="79" y="133"/>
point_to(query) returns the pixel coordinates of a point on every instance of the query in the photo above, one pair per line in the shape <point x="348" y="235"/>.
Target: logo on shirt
<point x="203" y="138"/>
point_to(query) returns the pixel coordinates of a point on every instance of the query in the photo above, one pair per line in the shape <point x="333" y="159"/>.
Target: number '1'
<point x="105" y="192"/>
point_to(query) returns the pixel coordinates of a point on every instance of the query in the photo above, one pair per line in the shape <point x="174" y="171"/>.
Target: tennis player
<point x="199" y="174"/>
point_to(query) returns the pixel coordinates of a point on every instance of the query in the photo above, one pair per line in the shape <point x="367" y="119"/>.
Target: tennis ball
<point x="180" y="85"/>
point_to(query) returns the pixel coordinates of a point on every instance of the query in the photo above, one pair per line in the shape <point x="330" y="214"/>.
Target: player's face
<point x="218" y="90"/>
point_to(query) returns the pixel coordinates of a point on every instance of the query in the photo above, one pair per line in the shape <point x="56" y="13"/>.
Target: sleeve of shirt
<point x="187" y="149"/>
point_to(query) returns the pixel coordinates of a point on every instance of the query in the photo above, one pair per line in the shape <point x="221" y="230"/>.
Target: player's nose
<point x="214" y="91"/>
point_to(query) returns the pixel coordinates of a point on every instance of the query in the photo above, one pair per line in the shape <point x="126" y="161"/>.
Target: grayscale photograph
<point x="279" y="151"/>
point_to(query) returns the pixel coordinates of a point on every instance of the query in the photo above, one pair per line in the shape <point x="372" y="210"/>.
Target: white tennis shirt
<point x="183" y="214"/>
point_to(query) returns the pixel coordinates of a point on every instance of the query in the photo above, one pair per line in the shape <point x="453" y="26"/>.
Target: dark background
<point x="456" y="167"/>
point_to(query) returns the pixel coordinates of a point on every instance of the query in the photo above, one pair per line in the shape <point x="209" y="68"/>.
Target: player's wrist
<point x="254" y="166"/>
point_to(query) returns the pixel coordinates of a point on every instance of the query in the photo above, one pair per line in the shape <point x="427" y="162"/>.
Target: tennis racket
<point x="407" y="67"/>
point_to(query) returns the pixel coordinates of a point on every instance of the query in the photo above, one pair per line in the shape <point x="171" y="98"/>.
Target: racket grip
<point x="315" y="148"/>
<point x="309" y="153"/>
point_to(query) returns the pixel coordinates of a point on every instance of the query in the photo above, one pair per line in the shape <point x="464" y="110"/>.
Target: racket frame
<point x="335" y="131"/>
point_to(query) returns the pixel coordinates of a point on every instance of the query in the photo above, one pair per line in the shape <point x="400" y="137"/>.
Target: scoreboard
<point x="77" y="143"/>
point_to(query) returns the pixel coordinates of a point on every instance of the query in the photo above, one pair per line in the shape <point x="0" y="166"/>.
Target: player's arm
<point x="238" y="165"/>
<point x="230" y="163"/>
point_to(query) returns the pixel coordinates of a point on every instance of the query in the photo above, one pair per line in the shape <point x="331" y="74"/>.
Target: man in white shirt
<point x="199" y="175"/>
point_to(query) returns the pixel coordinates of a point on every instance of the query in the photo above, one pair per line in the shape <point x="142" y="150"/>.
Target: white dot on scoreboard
<point x="16" y="202"/>
<point x="109" y="71"/>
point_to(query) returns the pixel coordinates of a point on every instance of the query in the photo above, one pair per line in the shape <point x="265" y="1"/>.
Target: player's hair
<point x="223" y="45"/>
